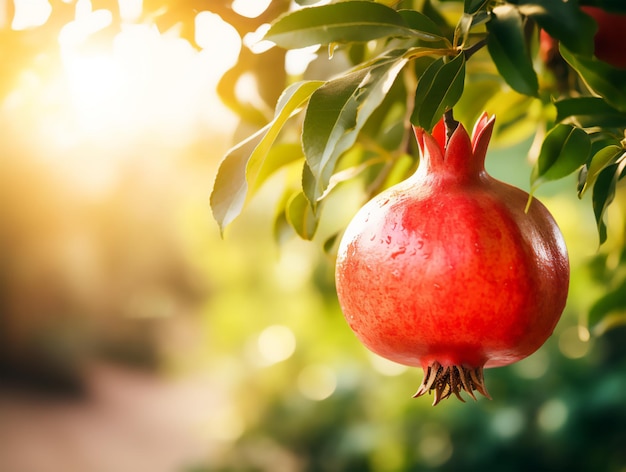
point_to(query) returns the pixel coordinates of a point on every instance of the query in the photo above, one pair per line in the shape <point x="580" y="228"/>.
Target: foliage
<point x="182" y="299"/>
<point x="410" y="63"/>
<point x="390" y="66"/>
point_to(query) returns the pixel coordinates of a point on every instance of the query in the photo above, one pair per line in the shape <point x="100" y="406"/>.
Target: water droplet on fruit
<point x="396" y="273"/>
<point x="373" y="237"/>
<point x="420" y="244"/>
<point x="388" y="239"/>
<point x="437" y="286"/>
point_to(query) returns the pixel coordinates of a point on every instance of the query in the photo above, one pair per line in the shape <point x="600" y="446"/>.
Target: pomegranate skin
<point x="446" y="271"/>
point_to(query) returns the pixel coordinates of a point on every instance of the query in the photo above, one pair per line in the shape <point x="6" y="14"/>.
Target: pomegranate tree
<point x="450" y="270"/>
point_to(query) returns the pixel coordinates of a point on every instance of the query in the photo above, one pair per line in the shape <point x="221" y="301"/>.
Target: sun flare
<point x="142" y="80"/>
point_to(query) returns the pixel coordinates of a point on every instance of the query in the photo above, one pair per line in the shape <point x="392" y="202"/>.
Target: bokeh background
<point x="135" y="338"/>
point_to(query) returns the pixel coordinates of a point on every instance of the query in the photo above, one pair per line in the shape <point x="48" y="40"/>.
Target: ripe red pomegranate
<point x="610" y="39"/>
<point x="448" y="272"/>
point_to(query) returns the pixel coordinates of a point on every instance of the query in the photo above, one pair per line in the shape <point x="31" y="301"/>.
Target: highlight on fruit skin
<point x="447" y="271"/>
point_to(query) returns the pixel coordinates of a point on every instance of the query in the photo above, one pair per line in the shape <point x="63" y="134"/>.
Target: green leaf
<point x="278" y="157"/>
<point x="606" y="81"/>
<point x="438" y="89"/>
<point x="564" y="21"/>
<point x="336" y="113"/>
<point x="349" y="173"/>
<point x="599" y="161"/>
<point x="340" y="22"/>
<point x="240" y="167"/>
<point x="608" y="311"/>
<point x="604" y="193"/>
<point x="420" y="22"/>
<point x="473" y="6"/>
<point x="508" y="49"/>
<point x="301" y="217"/>
<point x="588" y="112"/>
<point x="565" y="149"/>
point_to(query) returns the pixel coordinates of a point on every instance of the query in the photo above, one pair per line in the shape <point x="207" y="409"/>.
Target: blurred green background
<point x="134" y="338"/>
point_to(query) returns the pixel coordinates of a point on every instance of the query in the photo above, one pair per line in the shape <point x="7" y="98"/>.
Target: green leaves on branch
<point x="343" y="22"/>
<point x="242" y="165"/>
<point x="439" y="89"/>
<point x="508" y="48"/>
<point x="337" y="109"/>
<point x="564" y="150"/>
<point x="336" y="113"/>
<point x="588" y="112"/>
<point x="562" y="20"/>
<point x="606" y="81"/>
<point x="408" y="66"/>
<point x="604" y="193"/>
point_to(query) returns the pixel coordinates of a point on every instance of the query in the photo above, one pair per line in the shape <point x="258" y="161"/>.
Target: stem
<point x="450" y="122"/>
<point x="474" y="48"/>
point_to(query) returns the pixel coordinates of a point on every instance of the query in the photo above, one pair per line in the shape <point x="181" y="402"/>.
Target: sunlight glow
<point x="250" y="8"/>
<point x="552" y="415"/>
<point x="130" y="10"/>
<point x="276" y="343"/>
<point x="435" y="447"/>
<point x="254" y="40"/>
<point x="30" y="13"/>
<point x="508" y="422"/>
<point x="386" y="367"/>
<point x="87" y="22"/>
<point x="297" y="60"/>
<point x="571" y="345"/>
<point x="218" y="37"/>
<point x="112" y="101"/>
<point x="317" y="382"/>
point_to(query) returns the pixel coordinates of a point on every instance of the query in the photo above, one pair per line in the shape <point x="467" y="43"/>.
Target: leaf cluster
<point x="407" y="65"/>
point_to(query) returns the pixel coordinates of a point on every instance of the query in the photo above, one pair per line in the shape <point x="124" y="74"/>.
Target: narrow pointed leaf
<point x="420" y="22"/>
<point x="604" y="193"/>
<point x="301" y="217"/>
<point x="508" y="49"/>
<point x="564" y="150"/>
<point x="562" y="20"/>
<point x="589" y="112"/>
<point x="340" y="22"/>
<point x="600" y="160"/>
<point x="241" y="165"/>
<point x="606" y="81"/>
<point x="439" y="88"/>
<point x="336" y="113"/>
<point x="472" y="6"/>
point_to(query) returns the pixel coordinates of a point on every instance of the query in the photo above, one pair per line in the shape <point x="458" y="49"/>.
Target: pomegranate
<point x="610" y="39"/>
<point x="448" y="272"/>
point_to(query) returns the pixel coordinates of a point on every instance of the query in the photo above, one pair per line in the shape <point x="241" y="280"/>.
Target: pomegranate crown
<point x="452" y="149"/>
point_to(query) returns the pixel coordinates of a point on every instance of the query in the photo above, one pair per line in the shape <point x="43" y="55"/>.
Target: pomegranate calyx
<point x="445" y="381"/>
<point x="451" y="150"/>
